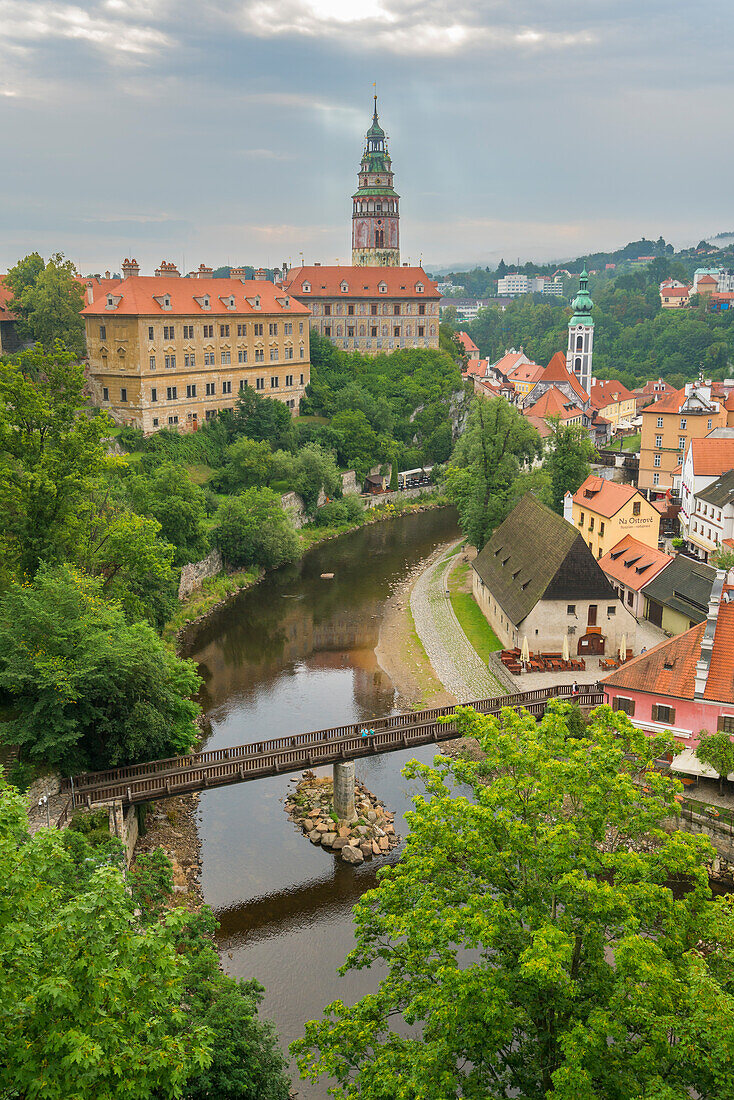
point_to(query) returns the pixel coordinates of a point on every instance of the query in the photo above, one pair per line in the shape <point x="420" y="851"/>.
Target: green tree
<point x="486" y="463"/>
<point x="717" y="750"/>
<point x="169" y="496"/>
<point x="91" y="1002"/>
<point x="48" y="299"/>
<point x="51" y="454"/>
<point x="529" y="937"/>
<point x="253" y="529"/>
<point x="358" y="445"/>
<point x="263" y="418"/>
<point x="87" y="689"/>
<point x="568" y="461"/>
<point x="722" y="559"/>
<point x="316" y="471"/>
<point x="249" y="463"/>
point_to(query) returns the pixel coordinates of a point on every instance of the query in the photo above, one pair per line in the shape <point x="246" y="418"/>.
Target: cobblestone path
<point x="455" y="661"/>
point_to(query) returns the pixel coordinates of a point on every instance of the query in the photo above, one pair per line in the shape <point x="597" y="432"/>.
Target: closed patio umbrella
<point x="564" y="652"/>
<point x="623" y="648"/>
<point x="525" y="651"/>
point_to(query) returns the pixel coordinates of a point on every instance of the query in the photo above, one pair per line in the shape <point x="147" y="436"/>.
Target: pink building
<point x="686" y="684"/>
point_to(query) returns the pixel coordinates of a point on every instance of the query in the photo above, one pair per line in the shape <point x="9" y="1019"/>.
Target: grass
<point x="471" y="620"/>
<point x="200" y="473"/>
<point x="628" y="443"/>
<point x="214" y="590"/>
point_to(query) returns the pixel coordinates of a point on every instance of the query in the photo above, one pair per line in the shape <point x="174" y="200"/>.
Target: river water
<point x="296" y="653"/>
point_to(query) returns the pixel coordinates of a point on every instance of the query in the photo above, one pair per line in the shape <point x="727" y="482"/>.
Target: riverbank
<point x="217" y="592"/>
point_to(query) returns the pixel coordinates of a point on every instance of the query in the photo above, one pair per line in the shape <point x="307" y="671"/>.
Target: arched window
<point x="577" y="366"/>
<point x="579" y="343"/>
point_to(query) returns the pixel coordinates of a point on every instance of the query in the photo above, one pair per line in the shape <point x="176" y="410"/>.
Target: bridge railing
<point x="317" y="743"/>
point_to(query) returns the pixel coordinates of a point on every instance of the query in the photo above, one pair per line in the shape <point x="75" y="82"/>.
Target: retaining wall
<point x="399" y="494"/>
<point x="47" y="785"/>
<point x="196" y="572"/>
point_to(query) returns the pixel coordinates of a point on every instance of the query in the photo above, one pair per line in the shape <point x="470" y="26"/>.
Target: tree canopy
<point x="568" y="460"/>
<point x="47" y="299"/>
<point x="253" y="529"/>
<point x="530" y="942"/>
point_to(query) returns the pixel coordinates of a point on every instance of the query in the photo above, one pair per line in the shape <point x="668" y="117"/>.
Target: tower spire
<point x="375" y="213"/>
<point x="581" y="334"/>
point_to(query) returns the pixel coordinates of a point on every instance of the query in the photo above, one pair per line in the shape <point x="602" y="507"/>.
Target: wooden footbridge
<point x="221" y="767"/>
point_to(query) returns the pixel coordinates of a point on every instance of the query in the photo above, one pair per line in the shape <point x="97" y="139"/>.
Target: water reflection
<point x="294" y="654"/>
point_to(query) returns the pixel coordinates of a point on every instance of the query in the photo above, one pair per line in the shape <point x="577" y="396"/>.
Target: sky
<point x="230" y="131"/>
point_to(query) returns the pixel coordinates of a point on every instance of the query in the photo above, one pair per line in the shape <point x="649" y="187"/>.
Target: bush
<point x="130" y="438"/>
<point x="348" y="510"/>
<point x="253" y="529"/>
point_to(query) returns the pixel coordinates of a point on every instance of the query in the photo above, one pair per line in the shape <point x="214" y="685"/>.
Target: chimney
<point x="90" y="293"/>
<point x="130" y="267"/>
<point x="317" y="264"/>
<point x="167" y="269"/>
<point x="204" y="272"/>
<point x="107" y="275"/>
<point x="238" y="273"/>
<point x="260" y="275"/>
<point x="707" y="642"/>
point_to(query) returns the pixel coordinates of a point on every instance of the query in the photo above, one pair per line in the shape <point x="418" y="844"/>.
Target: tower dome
<point x="582" y="304"/>
<point x="581" y="334"/>
<point x="375" y="204"/>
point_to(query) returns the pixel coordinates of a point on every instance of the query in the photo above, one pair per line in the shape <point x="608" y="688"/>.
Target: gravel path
<point x="454" y="660"/>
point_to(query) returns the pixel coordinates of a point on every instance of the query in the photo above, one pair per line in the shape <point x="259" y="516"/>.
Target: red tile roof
<point x="670" y="668"/>
<point x="605" y="393"/>
<point x="607" y="496"/>
<point x="468" y="344"/>
<point x="541" y="426"/>
<point x="632" y="563"/>
<point x="557" y="371"/>
<point x="6" y="296"/>
<point x="671" y="403"/>
<point x="554" y="403"/>
<point x="706" y="279"/>
<point x="508" y="362"/>
<point x="476" y="368"/>
<point x="675" y="291"/>
<point x="362" y="282"/>
<point x="137" y="297"/>
<point x="526" y="372"/>
<point x="712" y="456"/>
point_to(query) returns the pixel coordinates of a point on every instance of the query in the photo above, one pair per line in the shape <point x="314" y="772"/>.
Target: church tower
<point x="375" y="214"/>
<point x="581" y="334"/>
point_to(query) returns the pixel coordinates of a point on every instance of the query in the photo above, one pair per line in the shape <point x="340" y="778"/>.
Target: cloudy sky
<point x="226" y="131"/>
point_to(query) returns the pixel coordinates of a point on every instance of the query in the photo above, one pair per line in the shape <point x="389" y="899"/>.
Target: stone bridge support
<point x="344" y="791"/>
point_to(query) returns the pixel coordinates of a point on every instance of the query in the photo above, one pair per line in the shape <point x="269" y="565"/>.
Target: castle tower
<point x="581" y="334"/>
<point x="375" y="214"/>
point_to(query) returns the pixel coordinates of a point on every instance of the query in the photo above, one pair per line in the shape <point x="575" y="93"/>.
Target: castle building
<point x="375" y="205"/>
<point x="581" y="334"/>
<point x="171" y="352"/>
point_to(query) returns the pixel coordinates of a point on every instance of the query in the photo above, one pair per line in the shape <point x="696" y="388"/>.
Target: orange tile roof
<point x="670" y="668"/>
<point x="467" y="343"/>
<point x="706" y="279"/>
<point x="363" y="282"/>
<point x="508" y="362"/>
<point x="671" y="403"/>
<point x="137" y="297"/>
<point x="6" y="296"/>
<point x="632" y="563"/>
<point x="541" y="426"/>
<point x="526" y="372"/>
<point x="557" y="371"/>
<point x="608" y="496"/>
<point x="554" y="403"/>
<point x="675" y="291"/>
<point x="475" y="367"/>
<point x="712" y="456"/>
<point x="604" y="393"/>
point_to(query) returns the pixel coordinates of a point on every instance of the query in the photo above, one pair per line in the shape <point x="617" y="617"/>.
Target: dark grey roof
<point x="536" y="555"/>
<point x="685" y="586"/>
<point x="719" y="492"/>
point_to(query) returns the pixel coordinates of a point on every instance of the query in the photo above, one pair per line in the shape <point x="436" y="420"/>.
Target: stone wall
<point x="399" y="494"/>
<point x="123" y="824"/>
<point x="47" y="785"/>
<point x="294" y="508"/>
<point x="349" y="482"/>
<point x="718" y="832"/>
<point x="196" y="572"/>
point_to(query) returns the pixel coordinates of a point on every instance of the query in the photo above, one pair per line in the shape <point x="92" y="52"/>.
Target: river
<point x="293" y="654"/>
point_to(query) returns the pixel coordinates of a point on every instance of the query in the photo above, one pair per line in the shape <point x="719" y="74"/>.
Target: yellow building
<point x="613" y="402"/>
<point x="668" y="426"/>
<point x="675" y="297"/>
<point x="605" y="511"/>
<point x="172" y="352"/>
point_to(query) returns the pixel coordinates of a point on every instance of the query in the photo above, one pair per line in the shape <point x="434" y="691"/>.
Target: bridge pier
<point x="344" y="790"/>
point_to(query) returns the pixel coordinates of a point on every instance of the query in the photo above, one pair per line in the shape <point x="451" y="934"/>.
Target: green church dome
<point x="582" y="304"/>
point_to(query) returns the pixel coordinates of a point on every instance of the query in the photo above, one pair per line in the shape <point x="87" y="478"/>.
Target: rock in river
<point x="352" y="855"/>
<point x="327" y="840"/>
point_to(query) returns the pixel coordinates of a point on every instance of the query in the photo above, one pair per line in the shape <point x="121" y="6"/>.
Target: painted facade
<point x="605" y="511"/>
<point x="668" y="426"/>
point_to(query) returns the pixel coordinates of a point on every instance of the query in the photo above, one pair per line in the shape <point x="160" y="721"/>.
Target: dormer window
<point x="306" y="288"/>
<point x="110" y="302"/>
<point x="382" y="288"/>
<point x="419" y="288"/>
<point x="167" y="302"/>
<point x="344" y="288"/>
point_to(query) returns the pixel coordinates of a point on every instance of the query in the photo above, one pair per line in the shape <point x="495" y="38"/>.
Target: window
<point x="327" y="330"/>
<point x="241" y="356"/>
<point x="289" y="379"/>
<point x="103" y="332"/>
<point x="190" y="359"/>
<point x="150" y="332"/>
<point x="373" y="331"/>
<point x="421" y="330"/>
<point x="188" y="332"/>
<point x="660" y="422"/>
<point x="226" y="387"/>
<point x="191" y="391"/>
<point x="591" y="523"/>
<point x="726" y="723"/>
<point x="611" y="611"/>
<point x="226" y="358"/>
<point x="123" y="394"/>
<point x="210" y="389"/>
<point x="155" y="421"/>
<point x="171" y="393"/>
<point x="601" y="529"/>
<point x="656" y="479"/>
<point x="373" y="309"/>
<point x="208" y="332"/>
<point x="259" y="355"/>
<point x="173" y="420"/>
<point x="422" y="309"/>
<point x="288" y="327"/>
<point x="581" y="520"/>
<point x="396" y="311"/>
<point x="151" y="362"/>
<point x="105" y="394"/>
<point x="626" y="705"/>
<point x="242" y="330"/>
<point x="273" y="355"/>
<point x="657" y="460"/>
<point x="210" y="414"/>
<point x="636" y="508"/>
<point x="350" y="330"/>
<point x="170" y="362"/>
<point x="571" y="609"/>
<point x="168" y="332"/>
<point x="396" y="330"/>
<point x="709" y="423"/>
<point x="208" y="358"/>
<point x="288" y="353"/>
<point x="301" y="353"/>
<point x="258" y="329"/>
<point x="259" y="383"/>
<point x="274" y="382"/>
<point x="224" y="330"/>
<point x="154" y="394"/>
<point x="683" y="423"/>
<point x="658" y="441"/>
<point x="661" y="713"/>
<point x="350" y="312"/>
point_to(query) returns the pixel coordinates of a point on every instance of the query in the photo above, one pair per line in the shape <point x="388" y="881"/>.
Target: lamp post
<point x="43" y="801"/>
